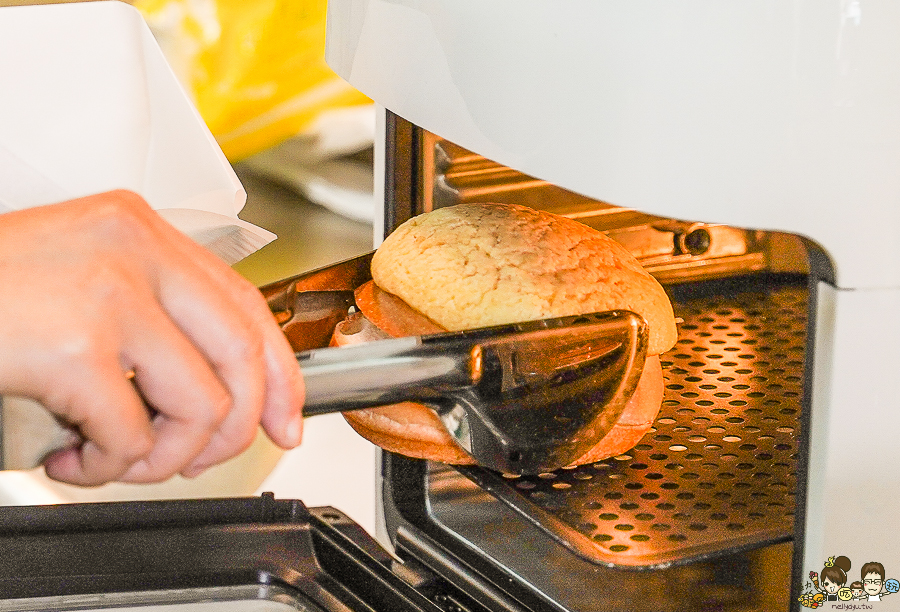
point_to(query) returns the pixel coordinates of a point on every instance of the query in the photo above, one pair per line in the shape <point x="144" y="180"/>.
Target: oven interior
<point x="706" y="509"/>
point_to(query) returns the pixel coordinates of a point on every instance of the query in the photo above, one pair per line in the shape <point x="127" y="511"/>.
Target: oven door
<point x="213" y="555"/>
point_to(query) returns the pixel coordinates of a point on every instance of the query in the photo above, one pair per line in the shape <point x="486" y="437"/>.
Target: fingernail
<point x="294" y="430"/>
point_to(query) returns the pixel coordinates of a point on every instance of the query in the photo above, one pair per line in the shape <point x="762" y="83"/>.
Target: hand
<point x="96" y="288"/>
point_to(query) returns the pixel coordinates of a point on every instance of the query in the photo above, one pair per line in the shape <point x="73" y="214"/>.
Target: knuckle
<point x="222" y="405"/>
<point x="131" y="450"/>
<point x="219" y="406"/>
<point x="250" y="293"/>
<point x="230" y="442"/>
<point x="121" y="215"/>
<point x="246" y="348"/>
<point x="127" y="199"/>
<point x="250" y="297"/>
<point x="252" y="301"/>
<point x="108" y="283"/>
<point x="80" y="350"/>
<point x="75" y="361"/>
<point x="109" y="293"/>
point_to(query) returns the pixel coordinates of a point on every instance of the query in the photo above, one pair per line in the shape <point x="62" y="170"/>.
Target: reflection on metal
<point x="711" y="517"/>
<point x="579" y="370"/>
<point x="259" y="598"/>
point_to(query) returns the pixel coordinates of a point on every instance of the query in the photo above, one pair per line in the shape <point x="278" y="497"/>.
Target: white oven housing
<point x="764" y="115"/>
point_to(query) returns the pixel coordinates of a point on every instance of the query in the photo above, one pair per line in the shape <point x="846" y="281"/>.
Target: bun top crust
<point x="475" y="265"/>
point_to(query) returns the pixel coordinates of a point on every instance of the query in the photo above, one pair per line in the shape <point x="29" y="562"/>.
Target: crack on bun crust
<point x="475" y="265"/>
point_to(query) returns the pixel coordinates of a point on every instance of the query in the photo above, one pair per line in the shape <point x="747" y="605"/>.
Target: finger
<point x="282" y="417"/>
<point x="240" y="362"/>
<point x="234" y="349"/>
<point x="272" y="366"/>
<point x="179" y="385"/>
<point x="226" y="318"/>
<point x="83" y="397"/>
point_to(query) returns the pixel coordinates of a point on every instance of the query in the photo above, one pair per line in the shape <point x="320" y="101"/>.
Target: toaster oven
<point x="747" y="155"/>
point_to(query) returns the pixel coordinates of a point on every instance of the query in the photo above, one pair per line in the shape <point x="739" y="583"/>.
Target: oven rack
<point x="717" y="472"/>
<point x="716" y="475"/>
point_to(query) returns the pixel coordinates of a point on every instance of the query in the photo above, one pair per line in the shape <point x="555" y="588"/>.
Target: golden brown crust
<point x="409" y="429"/>
<point x="475" y="265"/>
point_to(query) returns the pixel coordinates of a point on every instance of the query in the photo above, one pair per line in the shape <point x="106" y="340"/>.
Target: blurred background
<point x="300" y="140"/>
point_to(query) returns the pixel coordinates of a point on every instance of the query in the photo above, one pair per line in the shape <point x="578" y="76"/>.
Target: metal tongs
<point x="523" y="398"/>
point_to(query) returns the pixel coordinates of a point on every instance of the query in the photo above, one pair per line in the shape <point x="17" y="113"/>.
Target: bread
<point x="475" y="265"/>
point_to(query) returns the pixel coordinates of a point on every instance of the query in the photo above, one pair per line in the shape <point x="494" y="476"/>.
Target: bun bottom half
<point x="414" y="430"/>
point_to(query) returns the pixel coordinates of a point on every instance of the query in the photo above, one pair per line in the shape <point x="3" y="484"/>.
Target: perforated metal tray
<point x="717" y="472"/>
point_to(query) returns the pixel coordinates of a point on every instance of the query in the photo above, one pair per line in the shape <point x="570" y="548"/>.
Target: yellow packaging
<point x="255" y="68"/>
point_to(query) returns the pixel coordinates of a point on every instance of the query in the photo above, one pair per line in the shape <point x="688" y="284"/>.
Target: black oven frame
<point x="407" y="508"/>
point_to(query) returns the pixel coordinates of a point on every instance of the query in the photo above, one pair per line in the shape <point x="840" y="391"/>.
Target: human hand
<point x="96" y="288"/>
